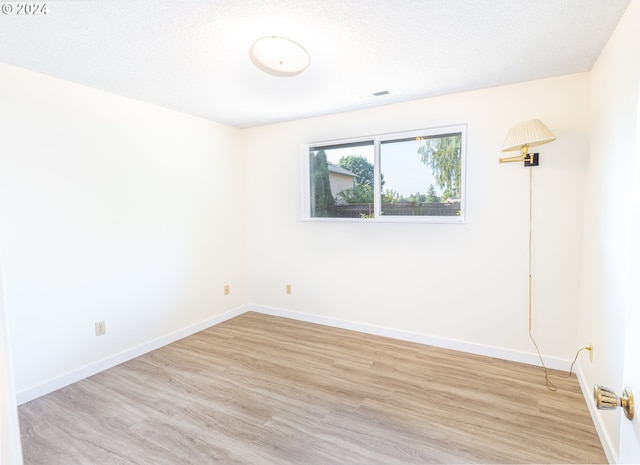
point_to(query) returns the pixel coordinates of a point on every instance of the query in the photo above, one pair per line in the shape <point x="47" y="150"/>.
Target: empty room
<point x="319" y="232"/>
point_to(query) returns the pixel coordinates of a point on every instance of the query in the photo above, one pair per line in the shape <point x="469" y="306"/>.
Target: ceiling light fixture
<point x="279" y="56"/>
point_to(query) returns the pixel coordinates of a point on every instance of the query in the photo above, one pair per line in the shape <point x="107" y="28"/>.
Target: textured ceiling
<point x="193" y="56"/>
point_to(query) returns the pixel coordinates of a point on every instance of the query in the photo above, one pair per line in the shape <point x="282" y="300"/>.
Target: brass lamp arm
<point x="511" y="159"/>
<point x="529" y="159"/>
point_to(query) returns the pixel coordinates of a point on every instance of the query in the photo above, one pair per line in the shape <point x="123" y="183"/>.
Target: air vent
<point x="372" y="94"/>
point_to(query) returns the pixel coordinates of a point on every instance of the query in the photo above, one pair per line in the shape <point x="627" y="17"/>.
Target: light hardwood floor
<point x="264" y="390"/>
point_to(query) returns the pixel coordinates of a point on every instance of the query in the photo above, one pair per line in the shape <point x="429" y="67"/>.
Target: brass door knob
<point x="606" y="399"/>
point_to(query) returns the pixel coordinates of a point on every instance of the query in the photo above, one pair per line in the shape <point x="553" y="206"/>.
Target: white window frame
<point x="377" y="198"/>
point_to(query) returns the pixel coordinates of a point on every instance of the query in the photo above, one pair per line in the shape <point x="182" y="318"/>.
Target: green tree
<point x="359" y="166"/>
<point x="360" y="193"/>
<point x="417" y="198"/>
<point x="391" y="196"/>
<point x="432" y="196"/>
<point x="443" y="156"/>
<point x="322" y="203"/>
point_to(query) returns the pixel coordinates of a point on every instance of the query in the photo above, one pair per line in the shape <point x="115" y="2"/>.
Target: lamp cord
<point x="550" y="385"/>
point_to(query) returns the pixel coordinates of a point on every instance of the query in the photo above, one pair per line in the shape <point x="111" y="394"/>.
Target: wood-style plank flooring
<point x="264" y="390"/>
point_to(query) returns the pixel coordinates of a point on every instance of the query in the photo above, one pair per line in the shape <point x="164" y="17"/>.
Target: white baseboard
<point x="61" y="381"/>
<point x="445" y="343"/>
<point x="53" y="384"/>
<point x="605" y="439"/>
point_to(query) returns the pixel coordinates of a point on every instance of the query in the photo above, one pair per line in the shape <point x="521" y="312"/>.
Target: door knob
<point x="606" y="399"/>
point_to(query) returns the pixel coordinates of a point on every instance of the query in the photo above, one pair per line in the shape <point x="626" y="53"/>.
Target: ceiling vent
<point x="372" y="94"/>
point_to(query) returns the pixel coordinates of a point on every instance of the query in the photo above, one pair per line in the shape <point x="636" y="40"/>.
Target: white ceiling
<point x="193" y="55"/>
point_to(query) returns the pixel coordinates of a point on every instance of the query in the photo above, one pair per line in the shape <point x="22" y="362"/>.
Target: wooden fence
<point x="358" y="210"/>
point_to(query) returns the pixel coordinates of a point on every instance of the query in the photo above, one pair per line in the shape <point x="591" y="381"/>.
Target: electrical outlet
<point x="590" y="349"/>
<point x="227" y="289"/>
<point x="100" y="328"/>
<point x="288" y="288"/>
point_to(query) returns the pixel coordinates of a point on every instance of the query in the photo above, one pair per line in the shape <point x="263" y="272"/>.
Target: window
<point x="412" y="176"/>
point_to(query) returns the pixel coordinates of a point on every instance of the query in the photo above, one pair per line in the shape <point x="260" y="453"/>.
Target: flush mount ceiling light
<point x="279" y="56"/>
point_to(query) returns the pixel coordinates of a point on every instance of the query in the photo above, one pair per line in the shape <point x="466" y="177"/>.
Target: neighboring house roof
<point x="339" y="170"/>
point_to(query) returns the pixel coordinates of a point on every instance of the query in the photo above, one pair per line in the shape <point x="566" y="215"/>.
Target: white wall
<point x="10" y="447"/>
<point x="111" y="210"/>
<point x="452" y="282"/>
<point x="605" y="296"/>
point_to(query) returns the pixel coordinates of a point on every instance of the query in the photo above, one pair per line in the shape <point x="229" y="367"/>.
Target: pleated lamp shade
<point x="528" y="133"/>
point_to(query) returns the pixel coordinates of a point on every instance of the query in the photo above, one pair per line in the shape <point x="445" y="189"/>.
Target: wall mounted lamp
<point x="521" y="137"/>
